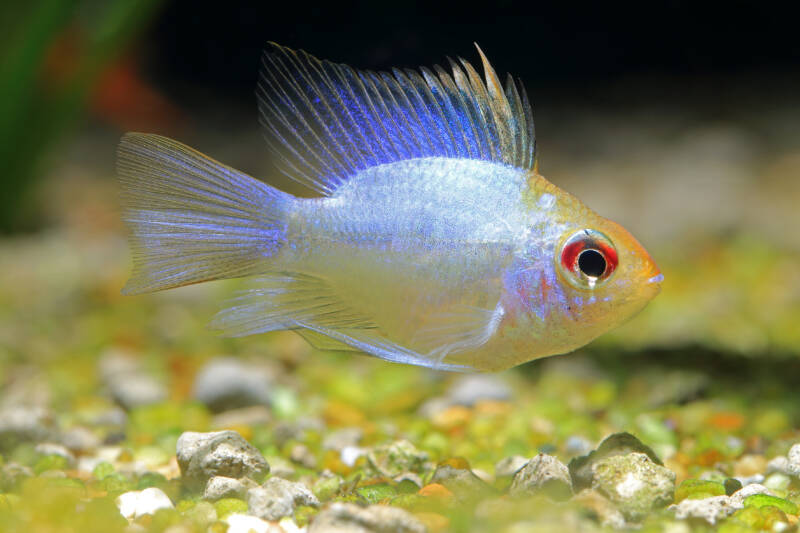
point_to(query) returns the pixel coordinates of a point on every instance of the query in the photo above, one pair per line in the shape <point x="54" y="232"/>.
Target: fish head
<point x="585" y="278"/>
<point x="605" y="274"/>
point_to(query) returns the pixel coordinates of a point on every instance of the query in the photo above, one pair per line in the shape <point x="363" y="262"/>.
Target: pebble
<point x="229" y="383"/>
<point x="280" y="467"/>
<point x="277" y="498"/>
<point x="779" y="464"/>
<point x="255" y="415"/>
<point x="350" y="518"/>
<point x="544" y="474"/>
<point x="794" y="460"/>
<point x="350" y="454"/>
<point x="302" y="455"/>
<point x="749" y="480"/>
<point x="129" y="385"/>
<point x="202" y="456"/>
<point x="738" y="497"/>
<point x="22" y="423"/>
<point x="12" y="474"/>
<point x="470" y="389"/>
<point x="711" y="509"/>
<point x="137" y="503"/>
<point x="202" y="513"/>
<point x="242" y="523"/>
<point x="634" y="483"/>
<point x="608" y="514"/>
<point x="778" y="481"/>
<point x="219" y="487"/>
<point x="467" y="391"/>
<point x="581" y="468"/>
<point x="749" y="465"/>
<point x="676" y="387"/>
<point x="509" y="466"/>
<point x="396" y="458"/>
<point x="80" y="440"/>
<point x="410" y="477"/>
<point x="461" y="482"/>
<point x="342" y="438"/>
<point x="577" y="445"/>
<point x="50" y="448"/>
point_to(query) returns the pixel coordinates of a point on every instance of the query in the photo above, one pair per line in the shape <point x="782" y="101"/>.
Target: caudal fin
<point x="192" y="219"/>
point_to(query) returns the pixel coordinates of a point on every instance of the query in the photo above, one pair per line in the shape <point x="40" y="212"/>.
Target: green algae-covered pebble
<point x="698" y="489"/>
<point x="229" y="506"/>
<point x="763" y="500"/>
<point x="164" y="518"/>
<point x="760" y="517"/>
<point x="187" y="505"/>
<point x="117" y="483"/>
<point x="203" y="513"/>
<point x="376" y="493"/>
<point x="50" y="462"/>
<point x="303" y="514"/>
<point x="750" y="516"/>
<point x="102" y="470"/>
<point x="151" y="479"/>
<point x="327" y="487"/>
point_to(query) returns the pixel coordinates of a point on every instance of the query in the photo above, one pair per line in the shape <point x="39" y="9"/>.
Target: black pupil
<point x="592" y="263"/>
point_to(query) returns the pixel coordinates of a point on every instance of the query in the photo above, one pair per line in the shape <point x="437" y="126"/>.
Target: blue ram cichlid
<point x="434" y="242"/>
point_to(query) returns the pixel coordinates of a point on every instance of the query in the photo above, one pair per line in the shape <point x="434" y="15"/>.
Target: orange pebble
<point x="727" y="421"/>
<point x="454" y="416"/>
<point x="436" y="491"/>
<point x="456" y="462"/>
<point x="343" y="414"/>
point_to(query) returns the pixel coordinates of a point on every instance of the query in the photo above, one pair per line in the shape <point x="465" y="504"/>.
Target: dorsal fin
<point x="326" y="121"/>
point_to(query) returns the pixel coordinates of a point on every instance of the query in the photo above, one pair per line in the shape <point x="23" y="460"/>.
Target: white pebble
<point x="794" y="459"/>
<point x="350" y="454"/>
<point x="242" y="523"/>
<point x="137" y="503"/>
<point x="737" y="498"/>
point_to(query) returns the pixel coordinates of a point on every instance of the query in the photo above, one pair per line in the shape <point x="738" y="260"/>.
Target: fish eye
<point x="587" y="259"/>
<point x="592" y="263"/>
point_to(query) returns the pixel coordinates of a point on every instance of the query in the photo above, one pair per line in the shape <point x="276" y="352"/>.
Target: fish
<point x="431" y="239"/>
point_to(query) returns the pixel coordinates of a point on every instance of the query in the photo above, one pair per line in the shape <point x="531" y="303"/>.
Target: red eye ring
<point x="587" y="258"/>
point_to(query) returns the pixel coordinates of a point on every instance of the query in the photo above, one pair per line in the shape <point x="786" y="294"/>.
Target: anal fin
<point x="320" y="341"/>
<point x="308" y="305"/>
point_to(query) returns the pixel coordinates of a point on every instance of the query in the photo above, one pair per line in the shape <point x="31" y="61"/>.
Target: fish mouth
<point x="658" y="278"/>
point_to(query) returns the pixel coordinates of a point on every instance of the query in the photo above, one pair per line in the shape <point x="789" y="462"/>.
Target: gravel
<point x="229" y="383"/>
<point x="137" y="503"/>
<point x="544" y="474"/>
<point x="277" y="498"/>
<point x="350" y="518"/>
<point x="202" y="456"/>
<point x="634" y="483"/>
<point x="219" y="487"/>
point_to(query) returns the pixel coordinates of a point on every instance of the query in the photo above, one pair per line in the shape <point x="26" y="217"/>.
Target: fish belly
<point x="417" y="247"/>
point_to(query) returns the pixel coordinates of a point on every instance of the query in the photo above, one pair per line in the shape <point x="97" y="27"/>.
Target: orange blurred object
<point x="119" y="95"/>
<point x="727" y="421"/>
<point x="122" y="98"/>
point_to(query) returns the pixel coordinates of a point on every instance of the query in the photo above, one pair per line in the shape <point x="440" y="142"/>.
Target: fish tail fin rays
<point x="325" y="121"/>
<point x="192" y="219"/>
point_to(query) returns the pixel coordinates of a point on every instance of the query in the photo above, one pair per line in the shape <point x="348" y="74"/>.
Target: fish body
<point x="448" y="253"/>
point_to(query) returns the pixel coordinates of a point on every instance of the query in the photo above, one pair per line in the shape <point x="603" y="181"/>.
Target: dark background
<point x="555" y="45"/>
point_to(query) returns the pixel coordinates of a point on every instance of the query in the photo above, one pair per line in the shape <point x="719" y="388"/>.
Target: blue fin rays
<point x="326" y="122"/>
